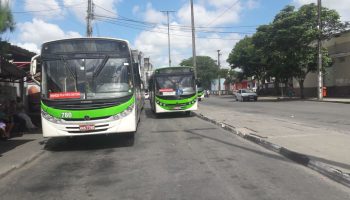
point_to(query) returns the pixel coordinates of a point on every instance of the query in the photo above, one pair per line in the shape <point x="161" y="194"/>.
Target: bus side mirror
<point x="33" y="65"/>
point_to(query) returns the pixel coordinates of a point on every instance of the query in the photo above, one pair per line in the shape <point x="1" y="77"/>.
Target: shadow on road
<point x="268" y="155"/>
<point x="83" y="143"/>
<point x="150" y="114"/>
<point x="184" y="130"/>
<point x="8" y="145"/>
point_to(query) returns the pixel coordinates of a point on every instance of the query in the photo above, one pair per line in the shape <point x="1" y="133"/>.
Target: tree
<point x="6" y="19"/>
<point x="249" y="59"/>
<point x="289" y="42"/>
<point x="231" y="76"/>
<point x="207" y="69"/>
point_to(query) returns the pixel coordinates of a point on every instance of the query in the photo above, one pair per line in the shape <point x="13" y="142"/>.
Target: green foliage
<point x="248" y="58"/>
<point x="207" y="69"/>
<point x="231" y="76"/>
<point x="286" y="48"/>
<point x="6" y="19"/>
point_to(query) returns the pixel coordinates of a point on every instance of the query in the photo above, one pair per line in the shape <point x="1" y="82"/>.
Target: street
<point x="333" y="116"/>
<point x="319" y="130"/>
<point x="171" y="157"/>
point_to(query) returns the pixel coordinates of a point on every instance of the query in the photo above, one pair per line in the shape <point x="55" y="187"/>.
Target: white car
<point x="146" y="95"/>
<point x="246" y="95"/>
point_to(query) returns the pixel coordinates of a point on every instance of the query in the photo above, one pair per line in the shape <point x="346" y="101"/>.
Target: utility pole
<point x="319" y="44"/>
<point x="219" y="72"/>
<point x="167" y="14"/>
<point x="89" y="18"/>
<point x="193" y="41"/>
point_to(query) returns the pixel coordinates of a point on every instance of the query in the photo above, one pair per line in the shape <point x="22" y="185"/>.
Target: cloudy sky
<point x="219" y="23"/>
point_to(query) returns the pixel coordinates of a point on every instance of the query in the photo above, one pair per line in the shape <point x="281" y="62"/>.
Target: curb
<point x="320" y="167"/>
<point x="343" y="102"/>
<point x="21" y="164"/>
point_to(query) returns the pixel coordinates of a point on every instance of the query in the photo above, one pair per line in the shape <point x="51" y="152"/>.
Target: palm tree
<point x="6" y="18"/>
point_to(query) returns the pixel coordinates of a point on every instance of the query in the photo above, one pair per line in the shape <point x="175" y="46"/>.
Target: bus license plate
<point x="87" y="127"/>
<point x="177" y="108"/>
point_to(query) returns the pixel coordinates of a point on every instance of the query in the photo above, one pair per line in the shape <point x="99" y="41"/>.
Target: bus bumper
<point x="102" y="126"/>
<point x="162" y="110"/>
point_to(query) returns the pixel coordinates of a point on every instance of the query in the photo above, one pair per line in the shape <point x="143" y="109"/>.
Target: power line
<point x="172" y="27"/>
<point x="148" y="30"/>
<point x="184" y="26"/>
<point x="229" y="8"/>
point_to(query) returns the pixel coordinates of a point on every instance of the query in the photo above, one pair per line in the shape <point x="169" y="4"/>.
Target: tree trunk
<point x="301" y="85"/>
<point x="277" y="88"/>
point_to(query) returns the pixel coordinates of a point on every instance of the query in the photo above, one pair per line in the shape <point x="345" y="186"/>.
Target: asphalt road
<point x="320" y="114"/>
<point x="172" y="157"/>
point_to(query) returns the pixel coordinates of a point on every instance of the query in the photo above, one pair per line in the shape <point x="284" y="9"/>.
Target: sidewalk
<point x="18" y="151"/>
<point x="326" y="151"/>
<point x="325" y="99"/>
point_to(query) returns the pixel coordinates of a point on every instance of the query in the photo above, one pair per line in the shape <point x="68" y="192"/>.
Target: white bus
<point x="88" y="86"/>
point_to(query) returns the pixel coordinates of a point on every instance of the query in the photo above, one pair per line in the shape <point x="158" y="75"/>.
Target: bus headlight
<point x="125" y="113"/>
<point x="49" y="117"/>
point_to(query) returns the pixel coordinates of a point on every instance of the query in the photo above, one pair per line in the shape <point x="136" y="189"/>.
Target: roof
<point x="14" y="54"/>
<point x="10" y="71"/>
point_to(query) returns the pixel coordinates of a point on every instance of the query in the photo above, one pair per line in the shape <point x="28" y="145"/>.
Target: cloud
<point x="154" y="16"/>
<point x="30" y="47"/>
<point x="38" y="31"/>
<point x="209" y="47"/>
<point x="44" y="9"/>
<point x="154" y="43"/>
<point x="252" y="4"/>
<point x="342" y="6"/>
<point x="222" y="3"/>
<point x="135" y="9"/>
<point x="213" y="17"/>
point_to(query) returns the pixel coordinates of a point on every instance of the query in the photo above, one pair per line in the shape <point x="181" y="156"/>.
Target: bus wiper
<point x="69" y="69"/>
<point x="100" y="67"/>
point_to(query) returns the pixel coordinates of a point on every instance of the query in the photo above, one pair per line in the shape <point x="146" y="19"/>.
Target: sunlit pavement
<point x="294" y="125"/>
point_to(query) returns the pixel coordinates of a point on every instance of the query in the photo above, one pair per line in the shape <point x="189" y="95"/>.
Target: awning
<point x="10" y="71"/>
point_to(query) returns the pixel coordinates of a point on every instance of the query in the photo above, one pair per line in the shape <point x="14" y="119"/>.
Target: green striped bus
<point x="173" y="89"/>
<point x="89" y="86"/>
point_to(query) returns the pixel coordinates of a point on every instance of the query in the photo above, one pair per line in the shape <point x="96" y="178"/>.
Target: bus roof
<point x="86" y="38"/>
<point x="86" y="45"/>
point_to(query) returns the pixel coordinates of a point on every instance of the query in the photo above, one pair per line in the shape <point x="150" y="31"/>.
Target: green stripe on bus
<point x="171" y="104"/>
<point x="175" y="101"/>
<point x="94" y="113"/>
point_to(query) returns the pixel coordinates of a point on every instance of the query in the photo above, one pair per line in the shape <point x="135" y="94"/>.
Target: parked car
<point x="146" y="94"/>
<point x="246" y="95"/>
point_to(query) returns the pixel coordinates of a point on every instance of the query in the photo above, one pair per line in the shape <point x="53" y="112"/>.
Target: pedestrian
<point x="207" y="93"/>
<point x="19" y="124"/>
<point x="6" y="124"/>
<point x="23" y="115"/>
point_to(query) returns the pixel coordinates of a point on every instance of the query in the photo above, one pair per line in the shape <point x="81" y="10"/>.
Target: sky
<point x="219" y="24"/>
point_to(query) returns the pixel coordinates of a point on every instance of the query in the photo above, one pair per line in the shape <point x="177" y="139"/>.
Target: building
<point x="337" y="77"/>
<point x="148" y="71"/>
<point x="14" y="67"/>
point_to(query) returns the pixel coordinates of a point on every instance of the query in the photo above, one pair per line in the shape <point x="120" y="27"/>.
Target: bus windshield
<point x="86" y="78"/>
<point x="175" y="85"/>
